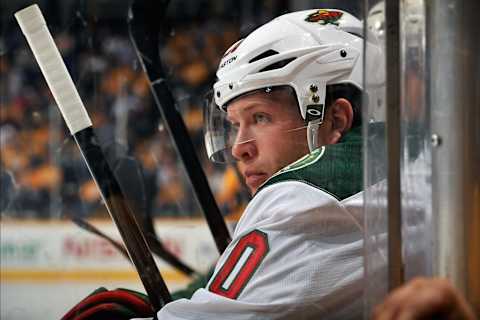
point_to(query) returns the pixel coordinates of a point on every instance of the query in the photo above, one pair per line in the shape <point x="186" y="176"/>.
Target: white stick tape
<point x="48" y="57"/>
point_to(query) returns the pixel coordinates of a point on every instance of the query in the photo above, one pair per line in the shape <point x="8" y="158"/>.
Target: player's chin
<point x="255" y="181"/>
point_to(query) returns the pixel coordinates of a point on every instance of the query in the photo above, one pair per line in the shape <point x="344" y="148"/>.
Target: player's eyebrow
<point x="247" y="108"/>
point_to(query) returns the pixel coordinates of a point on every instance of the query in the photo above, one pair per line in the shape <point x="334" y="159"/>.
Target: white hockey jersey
<point x="297" y="251"/>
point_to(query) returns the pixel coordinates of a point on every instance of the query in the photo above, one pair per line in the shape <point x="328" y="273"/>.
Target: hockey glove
<point x="118" y="304"/>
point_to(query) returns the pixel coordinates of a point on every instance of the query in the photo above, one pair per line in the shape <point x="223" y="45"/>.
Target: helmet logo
<point x="325" y="17"/>
<point x="228" y="61"/>
<point x="314" y="112"/>
<point x="233" y="48"/>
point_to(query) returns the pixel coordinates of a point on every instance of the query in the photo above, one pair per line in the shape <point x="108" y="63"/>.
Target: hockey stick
<point x="46" y="53"/>
<point x="144" y="29"/>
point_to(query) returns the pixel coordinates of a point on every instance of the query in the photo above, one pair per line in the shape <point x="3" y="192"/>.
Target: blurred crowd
<point x="43" y="174"/>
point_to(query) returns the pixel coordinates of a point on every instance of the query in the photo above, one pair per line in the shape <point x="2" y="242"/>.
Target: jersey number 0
<point x="240" y="265"/>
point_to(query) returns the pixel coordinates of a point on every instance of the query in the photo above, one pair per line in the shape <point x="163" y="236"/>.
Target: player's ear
<point x="339" y="117"/>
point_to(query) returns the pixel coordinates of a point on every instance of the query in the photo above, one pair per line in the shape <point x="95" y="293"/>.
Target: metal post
<point x="453" y="58"/>
<point x="393" y="92"/>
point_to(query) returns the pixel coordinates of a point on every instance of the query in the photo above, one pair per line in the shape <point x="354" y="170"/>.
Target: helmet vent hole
<point x="263" y="55"/>
<point x="277" y="65"/>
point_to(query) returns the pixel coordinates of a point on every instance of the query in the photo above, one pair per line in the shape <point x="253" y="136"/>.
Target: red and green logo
<point x="325" y="17"/>
<point x="233" y="47"/>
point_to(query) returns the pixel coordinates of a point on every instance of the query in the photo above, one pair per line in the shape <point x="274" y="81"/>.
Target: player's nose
<point x="244" y="150"/>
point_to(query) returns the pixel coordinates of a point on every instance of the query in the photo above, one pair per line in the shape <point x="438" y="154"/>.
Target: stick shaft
<point x="123" y="218"/>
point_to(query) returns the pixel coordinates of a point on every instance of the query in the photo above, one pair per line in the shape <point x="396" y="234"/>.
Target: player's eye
<point x="261" y="118"/>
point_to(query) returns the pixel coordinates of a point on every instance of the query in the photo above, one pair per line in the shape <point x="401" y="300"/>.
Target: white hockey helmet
<point x="305" y="50"/>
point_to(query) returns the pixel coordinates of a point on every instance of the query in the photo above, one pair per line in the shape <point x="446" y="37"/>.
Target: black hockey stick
<point x="46" y="53"/>
<point x="145" y="30"/>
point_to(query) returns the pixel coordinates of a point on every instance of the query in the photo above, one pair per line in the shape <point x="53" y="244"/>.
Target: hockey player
<point x="286" y="109"/>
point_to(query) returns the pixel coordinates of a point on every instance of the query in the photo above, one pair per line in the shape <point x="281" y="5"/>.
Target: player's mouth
<point x="254" y="179"/>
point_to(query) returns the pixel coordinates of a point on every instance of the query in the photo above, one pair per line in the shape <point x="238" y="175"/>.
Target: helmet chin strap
<point x="312" y="134"/>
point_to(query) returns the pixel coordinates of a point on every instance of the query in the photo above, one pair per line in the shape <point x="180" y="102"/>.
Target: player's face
<point x="270" y="134"/>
